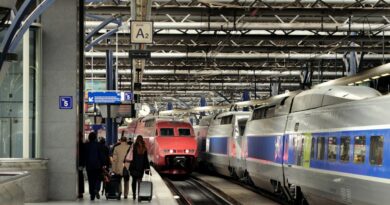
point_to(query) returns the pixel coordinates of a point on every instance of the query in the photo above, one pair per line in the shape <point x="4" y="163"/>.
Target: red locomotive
<point x="171" y="143"/>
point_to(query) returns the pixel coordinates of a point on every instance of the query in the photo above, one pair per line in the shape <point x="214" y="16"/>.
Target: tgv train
<point x="223" y="142"/>
<point x="171" y="143"/>
<point x="327" y="145"/>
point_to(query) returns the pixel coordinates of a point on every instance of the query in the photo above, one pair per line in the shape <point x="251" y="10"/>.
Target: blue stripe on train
<point x="218" y="145"/>
<point x="265" y="148"/>
<point x="366" y="168"/>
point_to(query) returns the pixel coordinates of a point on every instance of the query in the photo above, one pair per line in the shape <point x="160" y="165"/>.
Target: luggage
<point x="112" y="187"/>
<point x="145" y="191"/>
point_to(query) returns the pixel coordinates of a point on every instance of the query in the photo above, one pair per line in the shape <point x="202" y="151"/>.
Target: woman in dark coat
<point x="139" y="164"/>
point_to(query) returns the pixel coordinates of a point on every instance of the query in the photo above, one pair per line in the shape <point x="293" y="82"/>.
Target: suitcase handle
<point x="149" y="174"/>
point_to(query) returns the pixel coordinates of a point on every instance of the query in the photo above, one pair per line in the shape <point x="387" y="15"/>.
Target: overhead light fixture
<point x="386" y="74"/>
<point x="366" y="80"/>
<point x="358" y="82"/>
<point x="350" y="84"/>
<point x="376" y="77"/>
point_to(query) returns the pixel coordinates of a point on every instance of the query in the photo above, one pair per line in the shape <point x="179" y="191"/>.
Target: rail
<point x="193" y="192"/>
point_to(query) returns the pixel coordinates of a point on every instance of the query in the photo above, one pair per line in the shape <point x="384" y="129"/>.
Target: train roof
<point x="330" y="95"/>
<point x="232" y="113"/>
<point x="205" y="121"/>
<point x="162" y="118"/>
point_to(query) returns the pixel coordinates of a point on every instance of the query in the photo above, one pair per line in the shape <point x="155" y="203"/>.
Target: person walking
<point x="106" y="157"/>
<point x="94" y="163"/>
<point x="139" y="163"/>
<point x="119" y="166"/>
<point x="81" y="164"/>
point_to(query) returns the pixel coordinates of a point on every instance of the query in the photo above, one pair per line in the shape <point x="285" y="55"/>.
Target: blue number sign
<point x="66" y="102"/>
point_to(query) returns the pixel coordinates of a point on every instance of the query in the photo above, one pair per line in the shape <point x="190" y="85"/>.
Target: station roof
<point x="219" y="48"/>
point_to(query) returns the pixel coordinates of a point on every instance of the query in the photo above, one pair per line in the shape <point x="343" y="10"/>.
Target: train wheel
<point x="299" y="198"/>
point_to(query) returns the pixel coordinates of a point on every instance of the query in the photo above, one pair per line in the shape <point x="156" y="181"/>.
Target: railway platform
<point x="161" y="196"/>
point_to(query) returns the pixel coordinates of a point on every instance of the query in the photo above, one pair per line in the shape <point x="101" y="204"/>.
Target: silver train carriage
<point x="332" y="150"/>
<point x="223" y="144"/>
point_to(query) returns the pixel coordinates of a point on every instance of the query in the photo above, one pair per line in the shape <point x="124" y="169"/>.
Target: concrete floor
<point x="161" y="196"/>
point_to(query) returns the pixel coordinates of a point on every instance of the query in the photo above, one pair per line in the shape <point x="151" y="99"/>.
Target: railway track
<point x="257" y="190"/>
<point x="194" y="192"/>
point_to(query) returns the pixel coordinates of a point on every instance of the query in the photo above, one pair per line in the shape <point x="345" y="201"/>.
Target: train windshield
<point x="184" y="132"/>
<point x="166" y="132"/>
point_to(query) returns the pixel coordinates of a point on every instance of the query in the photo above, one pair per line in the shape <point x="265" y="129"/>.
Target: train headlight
<point x="188" y="151"/>
<point x="170" y="151"/>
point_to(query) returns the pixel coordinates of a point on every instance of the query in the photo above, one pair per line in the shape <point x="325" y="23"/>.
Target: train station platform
<point x="161" y="196"/>
<point x="234" y="191"/>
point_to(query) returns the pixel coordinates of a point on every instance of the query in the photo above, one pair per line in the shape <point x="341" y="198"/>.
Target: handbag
<point x="126" y="174"/>
<point x="129" y="155"/>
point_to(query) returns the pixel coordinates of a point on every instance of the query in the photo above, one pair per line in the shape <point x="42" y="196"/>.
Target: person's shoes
<point x="92" y="198"/>
<point x="80" y="196"/>
<point x="98" y="196"/>
<point x="133" y="196"/>
<point x="125" y="197"/>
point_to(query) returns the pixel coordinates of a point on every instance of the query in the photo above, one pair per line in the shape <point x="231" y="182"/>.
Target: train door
<point x="235" y="157"/>
<point x="306" y="149"/>
<point x="302" y="149"/>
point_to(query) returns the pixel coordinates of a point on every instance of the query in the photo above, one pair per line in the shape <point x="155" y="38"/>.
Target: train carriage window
<point x="226" y="120"/>
<point x="149" y="123"/>
<point x="376" y="150"/>
<point x="321" y="148"/>
<point x="359" y="152"/>
<point x="270" y="112"/>
<point x="258" y="114"/>
<point x="313" y="141"/>
<point x="344" y="149"/>
<point x="332" y="148"/>
<point x="166" y="132"/>
<point x="184" y="132"/>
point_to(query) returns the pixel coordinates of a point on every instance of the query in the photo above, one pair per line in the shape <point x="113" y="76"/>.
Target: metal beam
<point x="101" y="24"/>
<point x="43" y="6"/>
<point x="229" y="11"/>
<point x="11" y="31"/>
<point x="228" y="26"/>
<point x="247" y="48"/>
<point x="243" y="56"/>
<point x="216" y="72"/>
<point x="227" y="2"/>
<point x="101" y="38"/>
<point x="239" y="37"/>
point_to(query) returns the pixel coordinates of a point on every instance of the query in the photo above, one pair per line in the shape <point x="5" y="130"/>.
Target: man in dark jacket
<point x="94" y="163"/>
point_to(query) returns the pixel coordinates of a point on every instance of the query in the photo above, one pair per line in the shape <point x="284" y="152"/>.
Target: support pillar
<point x="26" y="95"/>
<point x="170" y="106"/>
<point x="203" y="103"/>
<point x="60" y="128"/>
<point x="110" y="138"/>
<point x="246" y="97"/>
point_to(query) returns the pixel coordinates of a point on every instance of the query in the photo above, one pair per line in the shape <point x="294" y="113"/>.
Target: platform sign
<point x="65" y="102"/>
<point x="126" y="96"/>
<point x="104" y="97"/>
<point x="141" y="32"/>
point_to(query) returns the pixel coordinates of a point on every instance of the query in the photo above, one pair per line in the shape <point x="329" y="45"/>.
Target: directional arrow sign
<point x="104" y="97"/>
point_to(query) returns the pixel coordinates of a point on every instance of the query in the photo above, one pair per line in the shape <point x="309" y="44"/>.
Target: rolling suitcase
<point x="112" y="187"/>
<point x="145" y="191"/>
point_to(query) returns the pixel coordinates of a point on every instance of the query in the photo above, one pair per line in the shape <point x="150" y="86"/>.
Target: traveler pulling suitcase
<point x="145" y="191"/>
<point x="112" y="187"/>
